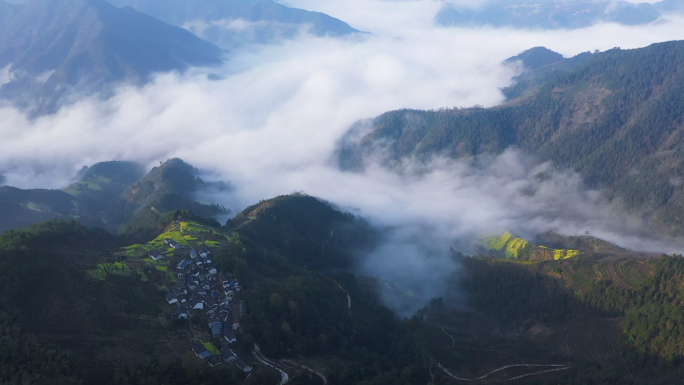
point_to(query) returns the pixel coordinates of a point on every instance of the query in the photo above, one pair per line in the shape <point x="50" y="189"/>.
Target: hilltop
<point x="118" y="196"/>
<point x="230" y="23"/>
<point x="308" y="231"/>
<point x="508" y="246"/>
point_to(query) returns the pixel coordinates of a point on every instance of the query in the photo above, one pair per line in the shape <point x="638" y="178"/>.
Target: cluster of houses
<point x="202" y="289"/>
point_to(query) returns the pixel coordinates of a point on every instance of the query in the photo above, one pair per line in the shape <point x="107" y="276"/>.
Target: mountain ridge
<point x="114" y="195"/>
<point x="551" y="15"/>
<point x="616" y="119"/>
<point x="264" y="21"/>
<point x="60" y="47"/>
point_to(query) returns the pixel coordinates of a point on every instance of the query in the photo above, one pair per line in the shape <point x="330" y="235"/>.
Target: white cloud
<point x="5" y="75"/>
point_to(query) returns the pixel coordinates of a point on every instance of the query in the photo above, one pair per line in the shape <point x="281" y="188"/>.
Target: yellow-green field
<point x="211" y="348"/>
<point x="116" y="268"/>
<point x="509" y="246"/>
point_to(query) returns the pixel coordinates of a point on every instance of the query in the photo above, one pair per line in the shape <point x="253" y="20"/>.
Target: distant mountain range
<point x="53" y="52"/>
<point x="118" y="196"/>
<point x="229" y="23"/>
<point x="60" y="47"/>
<point x="615" y="117"/>
<point x="555" y="14"/>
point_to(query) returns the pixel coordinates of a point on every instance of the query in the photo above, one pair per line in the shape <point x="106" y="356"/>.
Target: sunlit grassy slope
<point x="508" y="246"/>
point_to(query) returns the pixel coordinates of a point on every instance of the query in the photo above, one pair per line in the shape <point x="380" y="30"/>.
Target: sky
<point x="270" y="125"/>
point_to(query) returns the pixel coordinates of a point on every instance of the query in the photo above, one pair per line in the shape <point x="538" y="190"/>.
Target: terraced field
<point x="470" y="346"/>
<point x="188" y="234"/>
<point x="627" y="272"/>
<point x="511" y="247"/>
<point x="596" y="340"/>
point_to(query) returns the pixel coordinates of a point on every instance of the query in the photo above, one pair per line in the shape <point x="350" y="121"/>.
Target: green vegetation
<point x="211" y="348"/>
<point x="615" y="119"/>
<point x="655" y="311"/>
<point x="621" y="313"/>
<point x="117" y="196"/>
<point x="510" y="247"/>
<point x="612" y="317"/>
<point x="212" y="243"/>
<point x="104" y="269"/>
<point x="304" y="230"/>
<point x="495" y="242"/>
<point x="516" y="247"/>
<point x="565" y="254"/>
<point x="28" y="260"/>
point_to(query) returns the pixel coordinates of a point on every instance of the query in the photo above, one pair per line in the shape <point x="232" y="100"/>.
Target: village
<point x="204" y="292"/>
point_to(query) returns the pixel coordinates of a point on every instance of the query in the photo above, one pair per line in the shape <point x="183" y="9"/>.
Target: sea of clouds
<point x="271" y="122"/>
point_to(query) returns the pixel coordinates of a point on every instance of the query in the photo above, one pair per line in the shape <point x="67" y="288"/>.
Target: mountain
<point x="165" y="188"/>
<point x="537" y="57"/>
<point x="23" y="207"/>
<point x="308" y="231"/>
<point x="509" y="246"/>
<point x="539" y="65"/>
<point x="80" y="306"/>
<point x="114" y="195"/>
<point x="60" y="47"/>
<point x="228" y="23"/>
<point x="550" y="246"/>
<point x="616" y="119"/>
<point x="105" y="316"/>
<point x="547" y="15"/>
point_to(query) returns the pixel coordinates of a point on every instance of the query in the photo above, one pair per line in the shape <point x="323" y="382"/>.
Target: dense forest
<point x="629" y="311"/>
<point x="307" y="231"/>
<point x="649" y="316"/>
<point x="25" y="262"/>
<point x="292" y="313"/>
<point x="615" y="117"/>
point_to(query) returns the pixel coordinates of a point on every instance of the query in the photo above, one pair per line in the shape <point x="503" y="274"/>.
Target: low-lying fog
<point x="270" y="126"/>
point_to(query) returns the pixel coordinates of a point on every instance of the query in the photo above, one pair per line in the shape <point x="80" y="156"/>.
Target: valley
<point x="257" y="192"/>
<point x="528" y="321"/>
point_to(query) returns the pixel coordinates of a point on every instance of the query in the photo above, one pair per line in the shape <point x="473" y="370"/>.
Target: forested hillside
<point x="307" y="231"/>
<point x="611" y="320"/>
<point x="114" y="195"/>
<point x="87" y="310"/>
<point x="88" y="307"/>
<point x="617" y="120"/>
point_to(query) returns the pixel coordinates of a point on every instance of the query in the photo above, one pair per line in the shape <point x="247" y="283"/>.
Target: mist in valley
<point x="271" y="122"/>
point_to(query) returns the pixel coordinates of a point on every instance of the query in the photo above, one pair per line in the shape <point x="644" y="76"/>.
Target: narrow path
<point x="284" y="378"/>
<point x="191" y="329"/>
<point x="332" y="232"/>
<point x="556" y="367"/>
<point x="319" y="374"/>
<point x="453" y="343"/>
<point x="537" y="373"/>
<point x="348" y="298"/>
